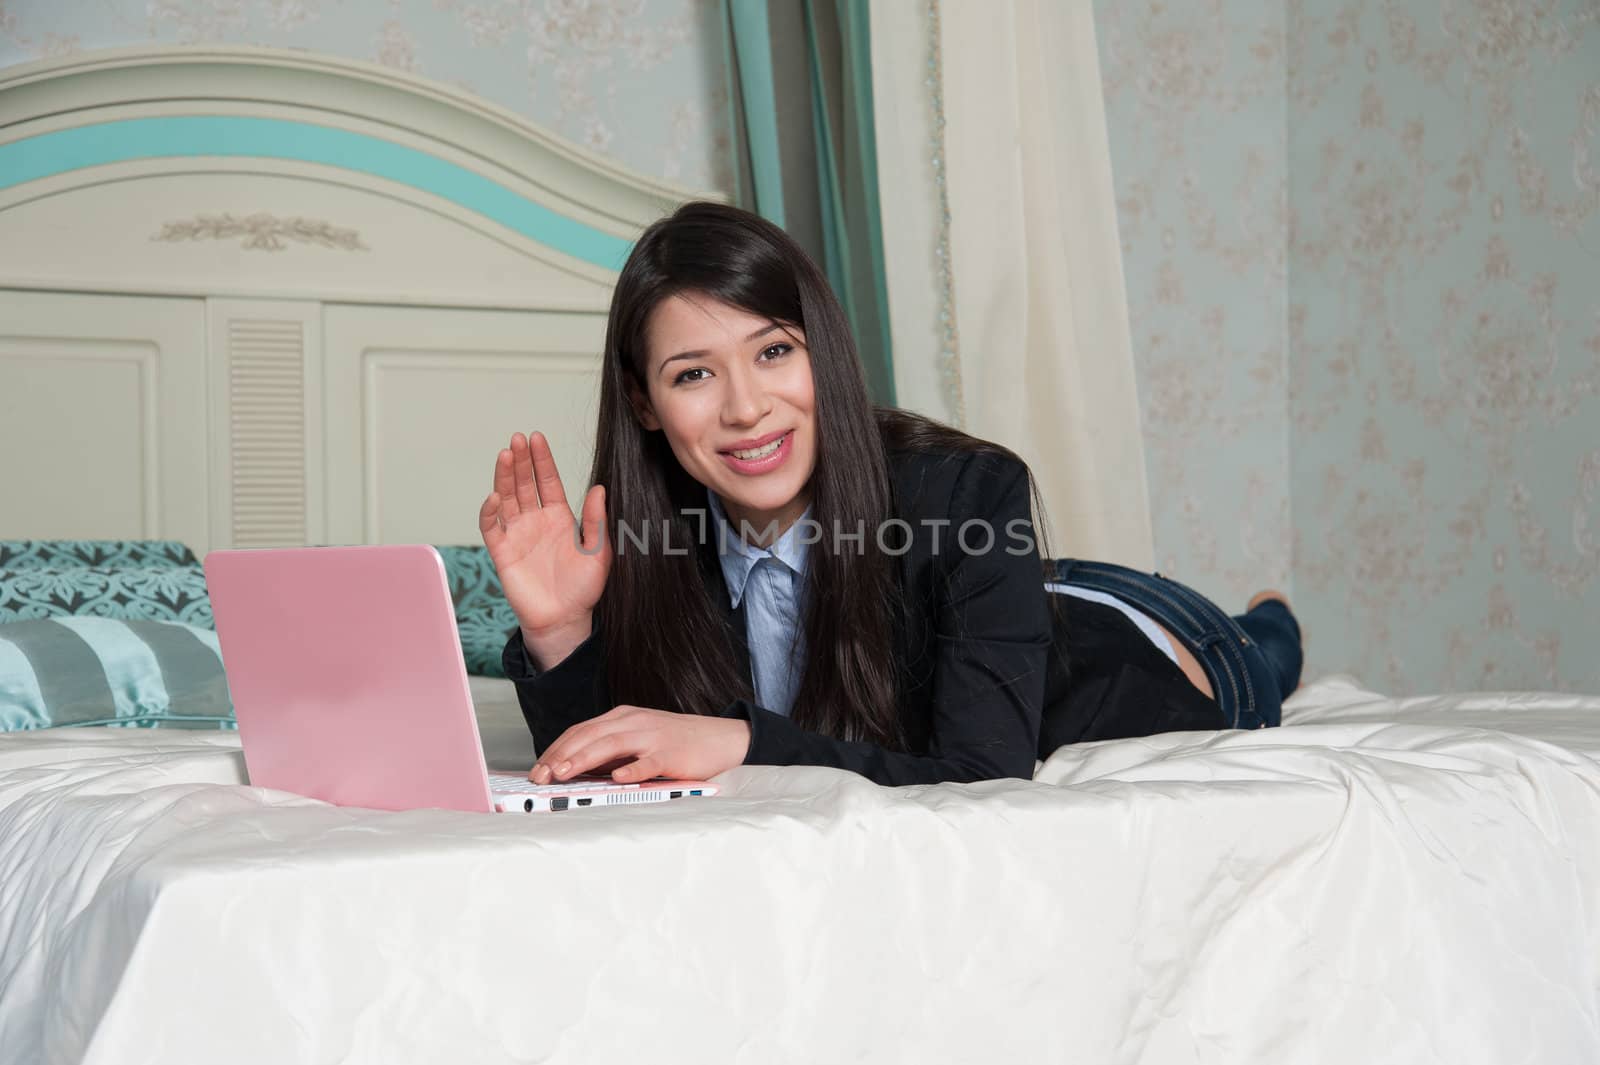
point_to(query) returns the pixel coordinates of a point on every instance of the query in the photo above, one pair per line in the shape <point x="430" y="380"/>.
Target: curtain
<point x="1006" y="294"/>
<point x="801" y="82"/>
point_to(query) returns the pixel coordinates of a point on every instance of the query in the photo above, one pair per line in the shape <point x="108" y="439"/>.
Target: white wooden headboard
<point x="251" y="297"/>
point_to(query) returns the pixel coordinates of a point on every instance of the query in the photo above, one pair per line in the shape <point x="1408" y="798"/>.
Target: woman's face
<point x="733" y="393"/>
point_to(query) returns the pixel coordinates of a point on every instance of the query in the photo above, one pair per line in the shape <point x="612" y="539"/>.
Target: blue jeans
<point x="1252" y="660"/>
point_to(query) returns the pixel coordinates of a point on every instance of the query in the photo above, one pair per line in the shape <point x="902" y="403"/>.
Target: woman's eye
<point x="684" y="377"/>
<point x="777" y="351"/>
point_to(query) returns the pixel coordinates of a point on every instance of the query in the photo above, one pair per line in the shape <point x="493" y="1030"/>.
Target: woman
<point x="768" y="570"/>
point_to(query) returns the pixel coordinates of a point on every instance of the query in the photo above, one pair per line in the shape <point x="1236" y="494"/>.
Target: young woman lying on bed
<point x="771" y="571"/>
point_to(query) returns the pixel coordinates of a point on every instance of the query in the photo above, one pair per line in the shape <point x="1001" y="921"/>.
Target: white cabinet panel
<point x="103" y="418"/>
<point x="419" y="401"/>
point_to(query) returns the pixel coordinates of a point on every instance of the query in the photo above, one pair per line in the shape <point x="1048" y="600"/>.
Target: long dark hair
<point x="666" y="642"/>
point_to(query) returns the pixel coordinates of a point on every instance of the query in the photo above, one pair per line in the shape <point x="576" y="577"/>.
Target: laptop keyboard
<point x="517" y="785"/>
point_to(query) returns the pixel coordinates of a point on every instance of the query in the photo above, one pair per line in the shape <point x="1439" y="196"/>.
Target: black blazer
<point x="973" y="642"/>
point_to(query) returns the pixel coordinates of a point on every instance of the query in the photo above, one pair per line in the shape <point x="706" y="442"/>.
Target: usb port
<point x="695" y="791"/>
<point x="676" y="795"/>
<point x="559" y="804"/>
<point x="585" y="802"/>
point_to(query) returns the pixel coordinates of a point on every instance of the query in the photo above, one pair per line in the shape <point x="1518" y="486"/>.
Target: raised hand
<point x="551" y="581"/>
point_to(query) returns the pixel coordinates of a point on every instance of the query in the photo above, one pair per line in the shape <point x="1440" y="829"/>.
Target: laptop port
<point x="585" y="802"/>
<point x="676" y="795"/>
<point x="559" y="803"/>
<point x="527" y="806"/>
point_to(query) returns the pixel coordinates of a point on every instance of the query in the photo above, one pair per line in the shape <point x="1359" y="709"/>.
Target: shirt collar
<point x="739" y="558"/>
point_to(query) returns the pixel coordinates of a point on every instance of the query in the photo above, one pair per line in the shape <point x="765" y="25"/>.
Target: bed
<point x="255" y="334"/>
<point x="1380" y="880"/>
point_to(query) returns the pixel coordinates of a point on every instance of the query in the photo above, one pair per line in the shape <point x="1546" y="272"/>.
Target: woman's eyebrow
<point x="701" y="353"/>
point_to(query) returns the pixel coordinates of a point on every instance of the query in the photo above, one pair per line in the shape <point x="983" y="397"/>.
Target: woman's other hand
<point x="551" y="580"/>
<point x="650" y="743"/>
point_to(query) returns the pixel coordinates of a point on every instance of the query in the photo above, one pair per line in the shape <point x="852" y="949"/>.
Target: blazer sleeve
<point x="992" y="637"/>
<point x="555" y="699"/>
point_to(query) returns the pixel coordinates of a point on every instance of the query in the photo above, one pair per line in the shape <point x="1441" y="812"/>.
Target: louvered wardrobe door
<point x="265" y="366"/>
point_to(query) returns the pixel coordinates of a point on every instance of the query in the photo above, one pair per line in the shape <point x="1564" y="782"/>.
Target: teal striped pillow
<point x="105" y="671"/>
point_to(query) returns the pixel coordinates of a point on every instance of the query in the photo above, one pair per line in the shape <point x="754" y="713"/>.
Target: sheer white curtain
<point x="1006" y="294"/>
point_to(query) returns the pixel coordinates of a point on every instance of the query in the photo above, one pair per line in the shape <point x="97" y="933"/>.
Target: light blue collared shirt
<point x="770" y="583"/>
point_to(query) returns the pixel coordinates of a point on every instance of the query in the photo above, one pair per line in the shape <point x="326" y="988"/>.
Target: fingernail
<point x="561" y="770"/>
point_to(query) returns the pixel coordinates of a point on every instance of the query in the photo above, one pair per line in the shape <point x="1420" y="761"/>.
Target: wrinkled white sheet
<point x="1345" y="892"/>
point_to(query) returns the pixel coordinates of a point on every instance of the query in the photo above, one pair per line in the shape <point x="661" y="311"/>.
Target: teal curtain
<point x="758" y="168"/>
<point x="800" y="78"/>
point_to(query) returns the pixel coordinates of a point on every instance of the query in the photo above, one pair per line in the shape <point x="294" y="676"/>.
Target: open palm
<point x="550" y="580"/>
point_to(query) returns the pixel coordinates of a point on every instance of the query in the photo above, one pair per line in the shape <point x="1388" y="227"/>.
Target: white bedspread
<point x="1347" y="891"/>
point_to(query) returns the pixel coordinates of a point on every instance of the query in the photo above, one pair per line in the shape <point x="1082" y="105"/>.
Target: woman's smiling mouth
<point x="763" y="456"/>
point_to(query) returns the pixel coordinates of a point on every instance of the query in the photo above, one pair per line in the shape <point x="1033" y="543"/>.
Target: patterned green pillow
<point x="483" y="617"/>
<point x="160" y="580"/>
<point x="103" y="671"/>
<point x="152" y="593"/>
<point x="58" y="554"/>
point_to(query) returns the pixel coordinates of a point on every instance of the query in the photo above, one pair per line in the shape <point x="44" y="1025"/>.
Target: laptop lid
<point x="346" y="675"/>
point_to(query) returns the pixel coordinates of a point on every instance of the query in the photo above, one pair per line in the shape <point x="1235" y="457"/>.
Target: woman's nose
<point x="746" y="402"/>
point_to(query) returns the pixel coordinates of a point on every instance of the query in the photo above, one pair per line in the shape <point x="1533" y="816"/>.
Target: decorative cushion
<point x="103" y="671"/>
<point x="160" y="592"/>
<point x="483" y="617"/>
<point x="57" y="554"/>
<point x="161" y="580"/>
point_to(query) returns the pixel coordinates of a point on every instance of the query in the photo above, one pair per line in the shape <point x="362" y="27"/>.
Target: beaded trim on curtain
<point x="949" y="334"/>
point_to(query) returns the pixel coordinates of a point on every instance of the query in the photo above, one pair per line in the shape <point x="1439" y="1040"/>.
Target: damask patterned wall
<point x="1444" y="331"/>
<point x="639" y="80"/>
<point x="1195" y="107"/>
<point x="1396" y="203"/>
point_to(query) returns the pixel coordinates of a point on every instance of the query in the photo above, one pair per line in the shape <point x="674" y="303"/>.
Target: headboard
<point x="251" y="297"/>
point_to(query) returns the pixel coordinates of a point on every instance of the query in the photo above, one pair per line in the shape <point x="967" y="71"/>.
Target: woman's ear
<point x="642" y="410"/>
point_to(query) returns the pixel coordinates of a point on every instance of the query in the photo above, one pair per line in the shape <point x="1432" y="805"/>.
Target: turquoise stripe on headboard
<point x="47" y="154"/>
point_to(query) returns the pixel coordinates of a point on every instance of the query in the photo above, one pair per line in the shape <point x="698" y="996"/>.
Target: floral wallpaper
<point x="1195" y="108"/>
<point x="642" y="81"/>
<point x="1362" y="241"/>
<point x="1444" y="318"/>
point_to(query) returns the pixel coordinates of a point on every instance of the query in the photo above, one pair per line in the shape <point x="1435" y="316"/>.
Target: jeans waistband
<point x="1207" y="631"/>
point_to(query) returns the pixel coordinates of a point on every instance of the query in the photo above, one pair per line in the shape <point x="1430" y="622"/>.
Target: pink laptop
<point x="345" y="670"/>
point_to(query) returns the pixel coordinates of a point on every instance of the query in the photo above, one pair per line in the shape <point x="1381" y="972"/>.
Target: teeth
<point x="759" y="452"/>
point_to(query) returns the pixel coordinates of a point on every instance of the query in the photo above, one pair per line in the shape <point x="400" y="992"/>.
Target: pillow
<point x="104" y="671"/>
<point x="152" y="593"/>
<point x="55" y="554"/>
<point x="483" y="617"/>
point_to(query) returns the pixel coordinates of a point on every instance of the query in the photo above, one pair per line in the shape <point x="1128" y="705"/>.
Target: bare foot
<point x="1264" y="595"/>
